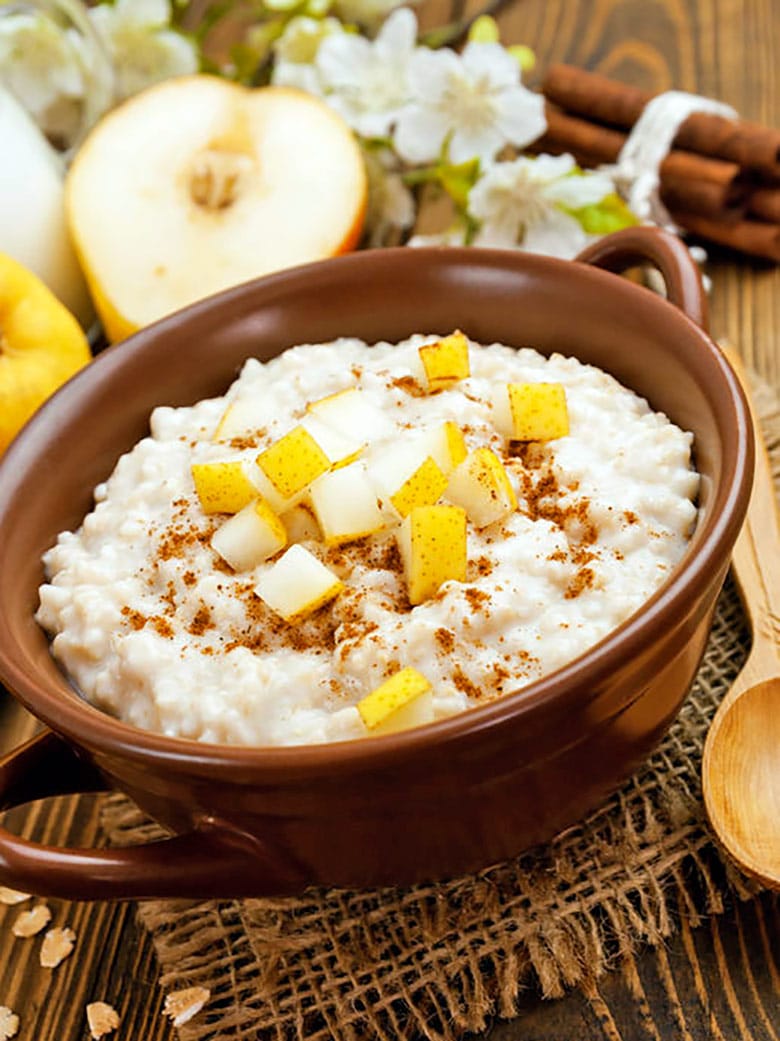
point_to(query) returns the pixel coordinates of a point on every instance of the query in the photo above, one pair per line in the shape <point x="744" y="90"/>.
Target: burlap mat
<point x="437" y="961"/>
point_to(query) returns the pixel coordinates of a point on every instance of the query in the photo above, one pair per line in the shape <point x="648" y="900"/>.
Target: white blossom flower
<point x="475" y="101"/>
<point x="523" y="202"/>
<point x="296" y="50"/>
<point x="391" y="205"/>
<point x="367" y="81"/>
<point x="142" y="46"/>
<point x="38" y="63"/>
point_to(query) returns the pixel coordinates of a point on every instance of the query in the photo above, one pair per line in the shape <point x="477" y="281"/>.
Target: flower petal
<point x="556" y="235"/>
<point x="490" y="61"/>
<point x="483" y="142"/>
<point x="397" y="36"/>
<point x="419" y="133"/>
<point x="520" y="115"/>
<point x="575" y="192"/>
<point x="431" y="74"/>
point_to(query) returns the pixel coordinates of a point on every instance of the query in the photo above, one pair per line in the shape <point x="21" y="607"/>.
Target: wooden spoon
<point x="741" y="764"/>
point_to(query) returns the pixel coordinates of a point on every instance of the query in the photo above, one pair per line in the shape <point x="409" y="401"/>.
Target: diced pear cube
<point x="351" y="413"/>
<point x="405" y="476"/>
<point x="293" y="462"/>
<point x="300" y="523"/>
<point x="242" y="418"/>
<point x="223" y="487"/>
<point x="432" y="543"/>
<point x="445" y="444"/>
<point x="482" y="487"/>
<point x="340" y="448"/>
<point x="538" y="411"/>
<point x="404" y="700"/>
<point x="346" y="505"/>
<point x="446" y="361"/>
<point x="253" y="535"/>
<point x="297" y="584"/>
<point x="423" y="488"/>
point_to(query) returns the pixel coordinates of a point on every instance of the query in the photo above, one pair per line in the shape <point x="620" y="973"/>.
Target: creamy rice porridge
<point x="155" y="626"/>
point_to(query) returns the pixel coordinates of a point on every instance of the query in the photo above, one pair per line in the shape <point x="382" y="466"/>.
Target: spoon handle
<point x="756" y="560"/>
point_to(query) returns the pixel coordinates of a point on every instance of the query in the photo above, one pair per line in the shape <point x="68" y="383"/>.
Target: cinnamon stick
<point x="759" y="238"/>
<point x="690" y="182"/>
<point x="590" y="94"/>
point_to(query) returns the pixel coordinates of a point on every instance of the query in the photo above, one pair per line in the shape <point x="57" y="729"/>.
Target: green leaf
<point x="600" y="218"/>
<point x="457" y="181"/>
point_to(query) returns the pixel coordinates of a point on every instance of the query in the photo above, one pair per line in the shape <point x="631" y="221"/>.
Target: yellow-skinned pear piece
<point x="538" y="411"/>
<point x="432" y="543"/>
<point x="251" y="537"/>
<point x="423" y="488"/>
<point x="482" y="487"/>
<point x="297" y="584"/>
<point x="446" y="361"/>
<point x="223" y="487"/>
<point x="293" y="462"/>
<point x="386" y="709"/>
<point x="340" y="448"/>
<point x="445" y="444"/>
<point x="351" y="413"/>
<point x="241" y="418"/>
<point x="346" y="505"/>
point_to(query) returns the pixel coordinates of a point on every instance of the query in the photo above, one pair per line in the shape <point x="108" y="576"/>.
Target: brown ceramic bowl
<point x="449" y="797"/>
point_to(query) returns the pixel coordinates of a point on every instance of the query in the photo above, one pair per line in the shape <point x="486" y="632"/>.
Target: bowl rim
<point x="92" y="728"/>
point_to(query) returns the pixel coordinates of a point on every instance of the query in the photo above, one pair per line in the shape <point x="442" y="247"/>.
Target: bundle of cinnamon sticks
<point x="721" y="181"/>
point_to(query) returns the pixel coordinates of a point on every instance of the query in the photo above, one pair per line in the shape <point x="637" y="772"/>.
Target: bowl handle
<point x="642" y="245"/>
<point x="208" y="862"/>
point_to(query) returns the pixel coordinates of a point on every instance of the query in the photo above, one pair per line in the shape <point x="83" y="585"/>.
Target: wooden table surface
<point x="720" y="981"/>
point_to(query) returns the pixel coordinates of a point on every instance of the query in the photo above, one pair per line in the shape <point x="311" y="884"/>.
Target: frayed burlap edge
<point x="438" y="961"/>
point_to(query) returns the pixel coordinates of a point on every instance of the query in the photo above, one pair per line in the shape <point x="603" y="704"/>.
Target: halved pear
<point x="404" y="700"/>
<point x="197" y="184"/>
<point x="252" y="536"/>
<point x="297" y="584"/>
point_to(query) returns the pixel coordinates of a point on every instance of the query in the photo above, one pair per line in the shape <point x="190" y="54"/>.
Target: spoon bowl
<point x="741" y="764"/>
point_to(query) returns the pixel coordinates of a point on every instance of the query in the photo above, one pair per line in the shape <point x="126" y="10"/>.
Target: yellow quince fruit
<point x="41" y="346"/>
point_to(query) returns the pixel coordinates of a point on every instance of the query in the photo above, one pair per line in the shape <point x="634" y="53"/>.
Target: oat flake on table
<point x="102" y="1018"/>
<point x="12" y="896"/>
<point x="57" y="945"/>
<point x="31" y="922"/>
<point x="182" y="1005"/>
<point x="9" y="1023"/>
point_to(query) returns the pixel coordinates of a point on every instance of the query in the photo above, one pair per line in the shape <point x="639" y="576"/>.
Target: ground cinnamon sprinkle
<point x="464" y="684"/>
<point x="161" y="626"/>
<point x="478" y="599"/>
<point x="583" y="580"/>
<point x="445" y="639"/>
<point x="630" y="517"/>
<point x="135" y="618"/>
<point x="409" y="385"/>
<point x="201" y="621"/>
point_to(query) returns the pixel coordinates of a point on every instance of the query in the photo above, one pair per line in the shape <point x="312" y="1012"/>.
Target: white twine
<point x="637" y="171"/>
